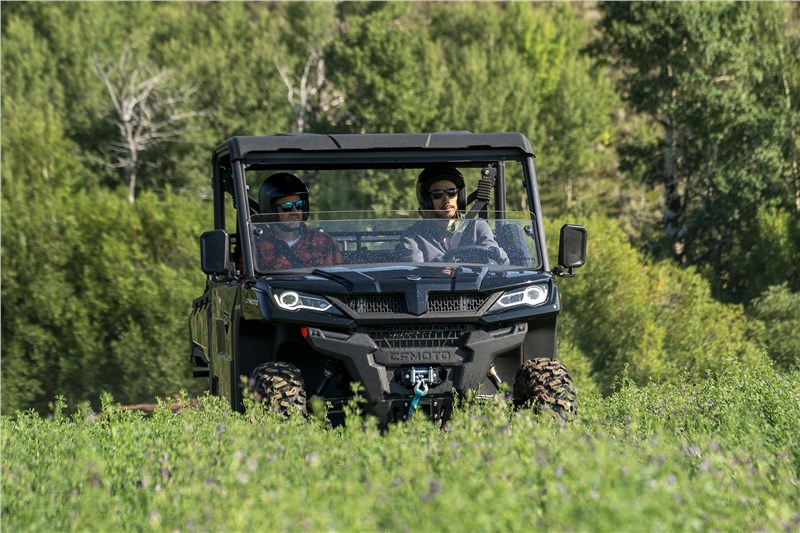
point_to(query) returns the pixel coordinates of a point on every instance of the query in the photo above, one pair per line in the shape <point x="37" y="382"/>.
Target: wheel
<point x="544" y="382"/>
<point x="280" y="386"/>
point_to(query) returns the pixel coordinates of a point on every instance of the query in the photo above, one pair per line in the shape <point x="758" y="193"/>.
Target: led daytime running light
<point x="293" y="301"/>
<point x="530" y="296"/>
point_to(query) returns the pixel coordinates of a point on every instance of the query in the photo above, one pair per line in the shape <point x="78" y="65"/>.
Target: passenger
<point x="289" y="243"/>
<point x="444" y="234"/>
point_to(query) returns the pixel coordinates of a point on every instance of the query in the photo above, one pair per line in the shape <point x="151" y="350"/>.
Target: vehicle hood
<point x="343" y="281"/>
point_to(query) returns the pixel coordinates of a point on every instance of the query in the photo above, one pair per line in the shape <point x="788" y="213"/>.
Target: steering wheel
<point x="468" y="254"/>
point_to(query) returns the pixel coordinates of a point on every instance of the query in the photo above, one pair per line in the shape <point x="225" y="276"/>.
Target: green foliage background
<point x="96" y="290"/>
<point x="721" y="455"/>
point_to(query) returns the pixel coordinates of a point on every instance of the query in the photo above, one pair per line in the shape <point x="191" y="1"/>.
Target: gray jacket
<point x="428" y="240"/>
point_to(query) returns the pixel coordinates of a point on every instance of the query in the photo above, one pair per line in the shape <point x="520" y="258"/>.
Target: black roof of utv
<point x="249" y="147"/>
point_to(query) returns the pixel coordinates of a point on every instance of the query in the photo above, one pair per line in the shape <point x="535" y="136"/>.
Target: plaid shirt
<point x="313" y="249"/>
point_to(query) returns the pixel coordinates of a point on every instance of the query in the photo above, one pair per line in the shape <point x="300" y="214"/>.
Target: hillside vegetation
<point x="723" y="455"/>
<point x="669" y="129"/>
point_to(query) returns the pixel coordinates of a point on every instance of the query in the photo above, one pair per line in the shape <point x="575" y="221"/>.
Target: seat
<point x="511" y="238"/>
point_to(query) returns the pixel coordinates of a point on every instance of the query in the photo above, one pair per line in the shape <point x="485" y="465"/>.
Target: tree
<point x="487" y="67"/>
<point x="779" y="309"/>
<point x="390" y="73"/>
<point x="390" y="79"/>
<point x="576" y="119"/>
<point x="712" y="75"/>
<point x="500" y="62"/>
<point x="519" y="67"/>
<point x="312" y="27"/>
<point x="146" y="112"/>
<point x="41" y="172"/>
<point x="579" y="131"/>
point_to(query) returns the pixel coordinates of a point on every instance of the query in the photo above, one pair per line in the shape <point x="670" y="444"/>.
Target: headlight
<point x="531" y="296"/>
<point x="292" y="301"/>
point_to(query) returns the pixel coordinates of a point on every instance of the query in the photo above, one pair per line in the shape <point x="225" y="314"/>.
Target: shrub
<point x="779" y="310"/>
<point x="103" y="302"/>
<point x="721" y="454"/>
<point x="657" y="320"/>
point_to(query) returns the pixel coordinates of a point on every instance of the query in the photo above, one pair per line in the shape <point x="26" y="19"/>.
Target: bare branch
<point x="146" y="111"/>
<point x="308" y="93"/>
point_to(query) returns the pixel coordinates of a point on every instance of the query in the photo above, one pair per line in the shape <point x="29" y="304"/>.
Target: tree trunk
<point x="673" y="203"/>
<point x="130" y="177"/>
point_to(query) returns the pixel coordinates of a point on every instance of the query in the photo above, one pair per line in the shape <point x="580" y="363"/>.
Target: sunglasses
<point x="287" y="206"/>
<point x="438" y="193"/>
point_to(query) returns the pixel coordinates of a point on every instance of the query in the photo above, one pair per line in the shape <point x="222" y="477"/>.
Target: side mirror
<point x="214" y="248"/>
<point x="571" y="249"/>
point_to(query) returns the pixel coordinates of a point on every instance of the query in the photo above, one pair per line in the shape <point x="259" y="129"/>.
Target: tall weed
<point x="721" y="453"/>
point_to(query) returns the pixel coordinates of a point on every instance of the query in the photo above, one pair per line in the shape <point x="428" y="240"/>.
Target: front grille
<point x="395" y="303"/>
<point x="416" y="335"/>
<point x="451" y="303"/>
<point x="381" y="303"/>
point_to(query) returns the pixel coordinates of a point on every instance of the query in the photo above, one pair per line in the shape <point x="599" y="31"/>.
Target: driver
<point x="289" y="243"/>
<point x="443" y="230"/>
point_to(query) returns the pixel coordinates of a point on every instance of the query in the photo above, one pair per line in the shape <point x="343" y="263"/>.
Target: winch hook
<point x="420" y="390"/>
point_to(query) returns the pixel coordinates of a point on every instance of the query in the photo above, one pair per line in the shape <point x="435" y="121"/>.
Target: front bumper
<point x="381" y="366"/>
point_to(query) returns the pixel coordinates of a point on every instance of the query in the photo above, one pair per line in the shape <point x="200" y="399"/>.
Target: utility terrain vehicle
<point x="410" y="334"/>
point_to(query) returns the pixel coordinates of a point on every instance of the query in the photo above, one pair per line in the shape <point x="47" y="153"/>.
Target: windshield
<point x="443" y="213"/>
<point x="330" y="239"/>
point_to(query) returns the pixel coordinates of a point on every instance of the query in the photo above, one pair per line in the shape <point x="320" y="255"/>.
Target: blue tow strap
<point x="420" y="390"/>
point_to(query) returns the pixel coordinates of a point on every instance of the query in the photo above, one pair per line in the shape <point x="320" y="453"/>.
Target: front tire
<point x="545" y="383"/>
<point x="280" y="386"/>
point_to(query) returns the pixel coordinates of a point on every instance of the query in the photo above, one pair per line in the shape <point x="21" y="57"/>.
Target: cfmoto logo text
<point x="423" y="357"/>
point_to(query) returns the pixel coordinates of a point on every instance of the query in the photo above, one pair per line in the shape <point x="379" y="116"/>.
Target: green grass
<point x="718" y="454"/>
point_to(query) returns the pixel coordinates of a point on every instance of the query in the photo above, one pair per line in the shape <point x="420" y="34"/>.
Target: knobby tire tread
<point x="280" y="386"/>
<point x="545" y="382"/>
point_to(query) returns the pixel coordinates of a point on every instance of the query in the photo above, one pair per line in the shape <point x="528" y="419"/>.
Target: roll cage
<point x="236" y="156"/>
